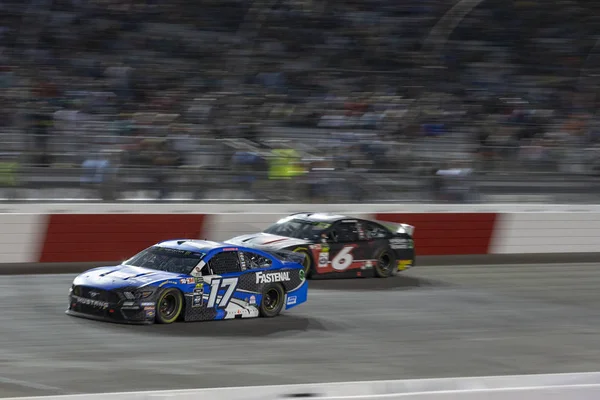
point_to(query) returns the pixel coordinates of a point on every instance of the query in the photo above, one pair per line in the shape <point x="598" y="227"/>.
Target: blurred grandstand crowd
<point x="289" y="99"/>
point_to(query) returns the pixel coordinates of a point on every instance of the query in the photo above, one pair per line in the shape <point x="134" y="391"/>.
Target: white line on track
<point x="27" y="384"/>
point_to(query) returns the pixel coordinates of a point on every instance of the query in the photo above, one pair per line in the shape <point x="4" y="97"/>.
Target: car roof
<point x="319" y="217"/>
<point x="203" y="246"/>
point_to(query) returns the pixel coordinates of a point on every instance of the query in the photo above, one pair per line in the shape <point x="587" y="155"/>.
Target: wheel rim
<point x="306" y="264"/>
<point x="168" y="306"/>
<point x="384" y="263"/>
<point x="272" y="298"/>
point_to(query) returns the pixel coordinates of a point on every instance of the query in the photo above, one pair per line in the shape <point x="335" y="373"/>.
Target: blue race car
<point x="191" y="280"/>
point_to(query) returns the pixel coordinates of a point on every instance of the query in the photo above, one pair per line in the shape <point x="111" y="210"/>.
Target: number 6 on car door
<point x="343" y="259"/>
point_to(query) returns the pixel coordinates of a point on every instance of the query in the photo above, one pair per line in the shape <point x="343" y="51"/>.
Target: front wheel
<point x="272" y="301"/>
<point x="386" y="262"/>
<point x="169" y="306"/>
<point x="307" y="263"/>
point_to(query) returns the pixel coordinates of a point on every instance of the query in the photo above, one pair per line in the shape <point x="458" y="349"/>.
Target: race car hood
<point x="109" y="278"/>
<point x="267" y="240"/>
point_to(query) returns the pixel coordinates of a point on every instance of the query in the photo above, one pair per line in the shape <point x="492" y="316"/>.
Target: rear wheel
<point x="169" y="306"/>
<point x="307" y="263"/>
<point x="272" y="300"/>
<point x="386" y="262"/>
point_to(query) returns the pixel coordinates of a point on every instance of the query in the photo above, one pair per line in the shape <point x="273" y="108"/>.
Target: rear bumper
<point x="110" y="312"/>
<point x="296" y="297"/>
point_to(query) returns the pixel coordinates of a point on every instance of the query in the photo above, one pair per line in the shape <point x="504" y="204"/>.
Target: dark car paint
<point x="365" y="249"/>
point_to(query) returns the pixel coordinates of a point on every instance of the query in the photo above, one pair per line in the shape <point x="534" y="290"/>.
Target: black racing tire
<point x="308" y="263"/>
<point x="386" y="262"/>
<point x="272" y="302"/>
<point x="169" y="306"/>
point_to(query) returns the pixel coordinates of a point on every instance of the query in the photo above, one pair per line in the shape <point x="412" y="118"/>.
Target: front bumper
<point x="110" y="312"/>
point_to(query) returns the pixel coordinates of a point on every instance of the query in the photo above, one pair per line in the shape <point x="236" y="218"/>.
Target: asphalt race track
<point x="432" y="322"/>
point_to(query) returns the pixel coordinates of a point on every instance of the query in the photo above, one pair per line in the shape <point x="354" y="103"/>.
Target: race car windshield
<point x="165" y="259"/>
<point x="298" y="229"/>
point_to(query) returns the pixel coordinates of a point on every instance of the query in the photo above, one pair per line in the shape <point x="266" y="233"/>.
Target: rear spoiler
<point x="397" y="227"/>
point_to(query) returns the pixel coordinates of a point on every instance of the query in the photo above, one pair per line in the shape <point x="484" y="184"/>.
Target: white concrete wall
<point x="517" y="229"/>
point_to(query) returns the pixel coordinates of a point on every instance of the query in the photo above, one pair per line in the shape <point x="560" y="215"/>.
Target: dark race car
<point x="191" y="280"/>
<point x="339" y="246"/>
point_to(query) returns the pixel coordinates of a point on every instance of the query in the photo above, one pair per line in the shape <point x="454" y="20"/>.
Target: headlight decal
<point x="142" y="294"/>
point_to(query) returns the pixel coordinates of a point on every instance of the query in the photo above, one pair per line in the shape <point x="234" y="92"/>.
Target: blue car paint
<point x="143" y="280"/>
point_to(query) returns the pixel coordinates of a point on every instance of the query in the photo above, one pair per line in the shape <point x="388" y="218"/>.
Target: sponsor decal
<point x="167" y="282"/>
<point x="93" y="294"/>
<point x="291" y="300"/>
<point x="90" y="302"/>
<point x="197" y="296"/>
<point x="400" y="243"/>
<point x="230" y="249"/>
<point x="315" y="247"/>
<point x="199" y="279"/>
<point x="269" y="277"/>
<point x="404" y="264"/>
<point x="148" y="304"/>
<point x="187" y="281"/>
<point x="197" y="301"/>
<point x="150" y="312"/>
<point x="368" y="264"/>
<point x="170" y="250"/>
<point x="252" y="300"/>
<point x="323" y="259"/>
<point x="302" y="274"/>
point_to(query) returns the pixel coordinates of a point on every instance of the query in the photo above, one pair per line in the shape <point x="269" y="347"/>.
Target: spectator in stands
<point x="241" y="74"/>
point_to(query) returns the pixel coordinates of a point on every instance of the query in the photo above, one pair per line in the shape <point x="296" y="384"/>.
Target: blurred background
<point x="299" y="101"/>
